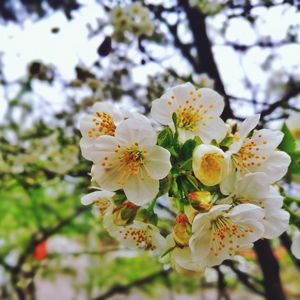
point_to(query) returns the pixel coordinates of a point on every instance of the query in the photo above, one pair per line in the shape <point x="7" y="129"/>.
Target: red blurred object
<point x="40" y="251"/>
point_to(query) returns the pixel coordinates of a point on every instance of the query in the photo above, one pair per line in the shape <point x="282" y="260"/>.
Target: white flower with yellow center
<point x="138" y="235"/>
<point x="254" y="188"/>
<point x="131" y="161"/>
<point x="293" y="123"/>
<point x="181" y="258"/>
<point x="197" y="112"/>
<point x="258" y="153"/>
<point x="103" y="120"/>
<point x="210" y="164"/>
<point x="219" y="233"/>
<point x="102" y="200"/>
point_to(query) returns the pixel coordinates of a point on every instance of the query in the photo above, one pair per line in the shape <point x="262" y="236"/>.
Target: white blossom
<point x="197" y="112"/>
<point x="220" y="232"/>
<point x="131" y="161"/>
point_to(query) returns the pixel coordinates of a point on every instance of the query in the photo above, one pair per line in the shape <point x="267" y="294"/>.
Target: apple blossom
<point x="103" y="121"/>
<point x="197" y="112"/>
<point x="258" y="153"/>
<point x="219" y="177"/>
<point x="131" y="161"/>
<point x="254" y="188"/>
<point x="217" y="234"/>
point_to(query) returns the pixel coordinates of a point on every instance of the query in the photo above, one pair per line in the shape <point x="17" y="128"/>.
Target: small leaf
<point x="294" y="167"/>
<point x="165" y="138"/>
<point x="288" y="143"/>
<point x="187" y="149"/>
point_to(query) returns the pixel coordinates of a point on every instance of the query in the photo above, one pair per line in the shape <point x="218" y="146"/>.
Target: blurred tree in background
<point x="249" y="51"/>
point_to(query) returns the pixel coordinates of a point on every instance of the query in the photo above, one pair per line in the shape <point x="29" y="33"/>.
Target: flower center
<point x="103" y="205"/>
<point x="211" y="169"/>
<point x="188" y="118"/>
<point x="225" y="234"/>
<point x="130" y="160"/>
<point x="104" y="125"/>
<point x="142" y="238"/>
<point x="248" y="156"/>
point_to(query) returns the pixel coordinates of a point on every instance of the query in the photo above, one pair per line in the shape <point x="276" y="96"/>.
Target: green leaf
<point x="165" y="138"/>
<point x="187" y="149"/>
<point x="226" y="142"/>
<point x="294" y="167"/>
<point x="288" y="143"/>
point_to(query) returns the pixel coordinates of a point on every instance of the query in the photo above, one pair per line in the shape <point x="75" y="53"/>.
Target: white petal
<point x="163" y="108"/>
<point x="92" y="197"/>
<point x="252" y="186"/>
<point x="212" y="129"/>
<point x="131" y="131"/>
<point x="149" y="235"/>
<point x="203" y="218"/>
<point x="157" y="162"/>
<point x="246" y="211"/>
<point x="295" y="248"/>
<point x="275" y="166"/>
<point x="109" y="108"/>
<point x="249" y="124"/>
<point x="183" y="92"/>
<point x="267" y="140"/>
<point x="140" y="191"/>
<point x="272" y="200"/>
<point x="184" y="135"/>
<point x="87" y="149"/>
<point x="275" y="222"/>
<point x="200" y="241"/>
<point x="183" y="259"/>
<point x="107" y="179"/>
<point x="212" y="101"/>
<point x="103" y="147"/>
<point x="228" y="184"/>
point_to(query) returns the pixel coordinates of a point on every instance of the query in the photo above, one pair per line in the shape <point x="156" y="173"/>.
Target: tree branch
<point x="244" y="278"/>
<point x="205" y="55"/>
<point x="270" y="268"/>
<point x="124" y="289"/>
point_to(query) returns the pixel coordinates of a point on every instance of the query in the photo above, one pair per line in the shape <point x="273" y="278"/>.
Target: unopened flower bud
<point x="125" y="214"/>
<point x="182" y="230"/>
<point x="209" y="164"/>
<point x="201" y="200"/>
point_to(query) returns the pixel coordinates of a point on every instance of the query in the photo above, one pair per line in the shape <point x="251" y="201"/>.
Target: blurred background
<point x="57" y="58"/>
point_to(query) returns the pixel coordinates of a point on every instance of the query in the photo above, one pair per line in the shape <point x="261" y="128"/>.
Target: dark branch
<point x="270" y="268"/>
<point x="124" y="289"/>
<point x="244" y="278"/>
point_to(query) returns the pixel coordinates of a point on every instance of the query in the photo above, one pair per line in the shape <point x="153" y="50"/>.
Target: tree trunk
<point x="270" y="268"/>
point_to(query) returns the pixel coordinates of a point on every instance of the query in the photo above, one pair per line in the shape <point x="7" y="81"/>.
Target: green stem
<point x="152" y="204"/>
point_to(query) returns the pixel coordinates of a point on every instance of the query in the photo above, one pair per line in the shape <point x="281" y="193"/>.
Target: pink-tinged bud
<point x="125" y="214"/>
<point x="182" y="230"/>
<point x="201" y="200"/>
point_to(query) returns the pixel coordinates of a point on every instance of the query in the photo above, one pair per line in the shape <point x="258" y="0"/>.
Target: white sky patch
<point x="72" y="46"/>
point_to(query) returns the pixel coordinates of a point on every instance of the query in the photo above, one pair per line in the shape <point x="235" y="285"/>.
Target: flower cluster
<point x="133" y="18"/>
<point x="219" y="178"/>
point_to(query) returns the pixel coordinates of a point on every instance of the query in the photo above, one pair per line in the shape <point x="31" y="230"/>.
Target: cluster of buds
<point x="133" y="19"/>
<point x="219" y="177"/>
